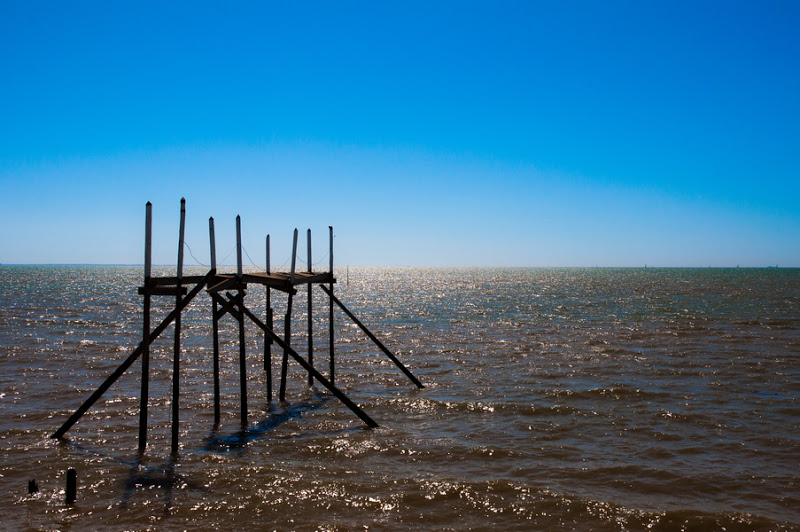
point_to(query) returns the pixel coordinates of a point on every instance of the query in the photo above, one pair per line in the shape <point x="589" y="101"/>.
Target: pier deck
<point x="283" y="281"/>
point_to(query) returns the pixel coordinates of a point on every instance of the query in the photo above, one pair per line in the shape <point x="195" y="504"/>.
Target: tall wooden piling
<point x="310" y="316"/>
<point x="214" y="322"/>
<point x="287" y="321"/>
<point x="330" y="308"/>
<point x="242" y="348"/>
<point x="267" y="338"/>
<point x="145" y="385"/>
<point x="176" y="349"/>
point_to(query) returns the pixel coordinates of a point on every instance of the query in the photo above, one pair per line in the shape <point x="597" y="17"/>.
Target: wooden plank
<point x="162" y="291"/>
<point x="223" y="284"/>
<point x="186" y="279"/>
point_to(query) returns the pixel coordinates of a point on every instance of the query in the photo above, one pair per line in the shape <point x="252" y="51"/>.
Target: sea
<point x="605" y="399"/>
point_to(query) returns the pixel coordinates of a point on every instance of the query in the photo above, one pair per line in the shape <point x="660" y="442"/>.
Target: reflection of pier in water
<point x="227" y="292"/>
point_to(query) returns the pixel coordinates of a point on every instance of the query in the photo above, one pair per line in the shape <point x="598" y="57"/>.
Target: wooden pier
<point x="227" y="292"/>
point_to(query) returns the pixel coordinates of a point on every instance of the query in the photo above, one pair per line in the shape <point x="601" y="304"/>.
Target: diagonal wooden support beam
<point x="308" y="367"/>
<point x="131" y="359"/>
<point x="227" y="307"/>
<point x="372" y="337"/>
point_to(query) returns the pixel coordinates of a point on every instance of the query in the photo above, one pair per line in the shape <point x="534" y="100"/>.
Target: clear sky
<point x="496" y="133"/>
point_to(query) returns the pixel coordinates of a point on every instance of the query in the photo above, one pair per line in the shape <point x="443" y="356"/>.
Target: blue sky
<point x="427" y="133"/>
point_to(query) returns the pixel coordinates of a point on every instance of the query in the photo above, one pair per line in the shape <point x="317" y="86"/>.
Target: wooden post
<point x="214" y="322"/>
<point x="176" y="351"/>
<point x="330" y="308"/>
<point x="310" y="316"/>
<point x="72" y="486"/>
<point x="267" y="338"/>
<point x="242" y="350"/>
<point x="111" y="379"/>
<point x="287" y="322"/>
<point x="145" y="390"/>
<point x="335" y="391"/>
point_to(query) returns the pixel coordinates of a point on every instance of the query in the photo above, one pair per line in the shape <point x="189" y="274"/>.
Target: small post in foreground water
<point x="72" y="486"/>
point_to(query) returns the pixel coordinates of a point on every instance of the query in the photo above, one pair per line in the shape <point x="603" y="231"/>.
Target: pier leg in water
<point x="214" y="323"/>
<point x="240" y="298"/>
<point x="176" y="353"/>
<point x="267" y="338"/>
<point x="145" y="391"/>
<point x="330" y="310"/>
<point x="372" y="337"/>
<point x="287" y="322"/>
<point x="310" y="317"/>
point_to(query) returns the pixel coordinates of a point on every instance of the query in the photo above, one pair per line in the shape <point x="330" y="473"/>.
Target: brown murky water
<point x="555" y="399"/>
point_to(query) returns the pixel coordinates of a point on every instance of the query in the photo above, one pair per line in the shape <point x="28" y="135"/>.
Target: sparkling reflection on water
<point x="596" y="399"/>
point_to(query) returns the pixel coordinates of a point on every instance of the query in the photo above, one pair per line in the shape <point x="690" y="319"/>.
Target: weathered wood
<point x="214" y="323"/>
<point x="239" y="298"/>
<point x="162" y="291"/>
<point x="176" y="346"/>
<point x="111" y="379"/>
<point x="267" y="338"/>
<point x="240" y="321"/>
<point x="287" y="333"/>
<point x="71" y="493"/>
<point x="239" y="246"/>
<point x="310" y="320"/>
<point x="287" y="321"/>
<point x="373" y="338"/>
<point x="148" y="241"/>
<point x="332" y="364"/>
<point x="212" y="241"/>
<point x="215" y="339"/>
<point x="317" y="375"/>
<point x="222" y="282"/>
<point x="144" y="395"/>
<point x="172" y="280"/>
<point x="283" y="280"/>
<point x="294" y="257"/>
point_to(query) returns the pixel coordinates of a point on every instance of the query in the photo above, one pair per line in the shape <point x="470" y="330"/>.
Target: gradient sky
<point x="559" y="133"/>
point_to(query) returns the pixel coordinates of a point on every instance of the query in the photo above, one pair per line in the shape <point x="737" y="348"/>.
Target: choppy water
<point x="555" y="399"/>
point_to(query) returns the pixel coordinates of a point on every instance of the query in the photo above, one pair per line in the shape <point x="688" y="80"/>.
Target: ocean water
<point x="555" y="399"/>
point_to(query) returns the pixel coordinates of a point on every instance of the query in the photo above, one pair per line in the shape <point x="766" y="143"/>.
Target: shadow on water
<point x="164" y="477"/>
<point x="217" y="443"/>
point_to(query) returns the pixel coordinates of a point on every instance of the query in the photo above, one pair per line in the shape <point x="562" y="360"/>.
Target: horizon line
<point x="644" y="267"/>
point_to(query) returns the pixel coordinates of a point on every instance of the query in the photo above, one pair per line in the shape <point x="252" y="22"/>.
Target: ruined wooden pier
<point x="227" y="292"/>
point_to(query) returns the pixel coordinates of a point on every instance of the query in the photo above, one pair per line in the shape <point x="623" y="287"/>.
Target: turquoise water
<point x="555" y="399"/>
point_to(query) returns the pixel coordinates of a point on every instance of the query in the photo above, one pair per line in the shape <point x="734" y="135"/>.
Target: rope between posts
<point x="252" y="262"/>
<point x="250" y="258"/>
<point x="192" y="254"/>
<point x="228" y="255"/>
